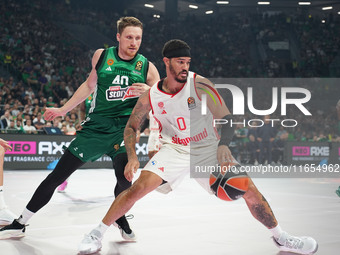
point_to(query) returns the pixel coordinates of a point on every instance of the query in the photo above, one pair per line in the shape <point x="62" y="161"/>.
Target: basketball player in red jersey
<point x="188" y="138"/>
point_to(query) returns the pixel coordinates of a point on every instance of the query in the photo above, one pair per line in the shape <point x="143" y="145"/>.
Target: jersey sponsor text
<point x="187" y="140"/>
<point x="119" y="93"/>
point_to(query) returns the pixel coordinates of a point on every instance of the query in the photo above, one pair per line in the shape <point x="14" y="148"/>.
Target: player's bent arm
<point x="86" y="88"/>
<point x="219" y="111"/>
<point x="137" y="118"/>
<point x="153" y="75"/>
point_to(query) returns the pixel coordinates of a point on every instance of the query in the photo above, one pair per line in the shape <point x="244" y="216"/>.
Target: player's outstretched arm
<point x="84" y="90"/>
<point x="138" y="116"/>
<point x="219" y="111"/>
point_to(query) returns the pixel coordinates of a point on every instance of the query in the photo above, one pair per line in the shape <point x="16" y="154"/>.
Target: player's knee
<point x="137" y="191"/>
<point x="146" y="183"/>
<point x="53" y="180"/>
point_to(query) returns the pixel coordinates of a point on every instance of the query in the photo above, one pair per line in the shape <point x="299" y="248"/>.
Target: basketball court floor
<point x="187" y="221"/>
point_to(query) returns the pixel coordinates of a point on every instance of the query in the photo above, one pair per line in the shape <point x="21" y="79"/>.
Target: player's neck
<point x="172" y="86"/>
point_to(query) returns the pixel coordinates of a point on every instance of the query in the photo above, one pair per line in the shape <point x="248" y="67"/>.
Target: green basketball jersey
<point x="113" y="96"/>
<point x="88" y="102"/>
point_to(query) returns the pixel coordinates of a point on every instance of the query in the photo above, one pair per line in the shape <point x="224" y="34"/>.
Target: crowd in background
<point x="42" y="64"/>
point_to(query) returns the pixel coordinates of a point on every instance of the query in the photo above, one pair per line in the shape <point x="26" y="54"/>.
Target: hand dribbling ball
<point x="230" y="183"/>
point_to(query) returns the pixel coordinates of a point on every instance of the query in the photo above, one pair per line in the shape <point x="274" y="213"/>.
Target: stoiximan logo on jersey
<point x="119" y="93"/>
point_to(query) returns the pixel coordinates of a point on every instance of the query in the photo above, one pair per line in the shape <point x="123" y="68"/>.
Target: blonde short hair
<point x="124" y="22"/>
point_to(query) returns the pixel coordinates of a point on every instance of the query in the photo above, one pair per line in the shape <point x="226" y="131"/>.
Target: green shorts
<point x="99" y="136"/>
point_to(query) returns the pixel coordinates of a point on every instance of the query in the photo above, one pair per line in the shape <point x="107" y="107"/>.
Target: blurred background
<point x="46" y="48"/>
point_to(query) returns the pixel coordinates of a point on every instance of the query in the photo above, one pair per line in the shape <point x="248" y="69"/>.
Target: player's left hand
<point x="140" y="88"/>
<point x="52" y="113"/>
<point x="224" y="154"/>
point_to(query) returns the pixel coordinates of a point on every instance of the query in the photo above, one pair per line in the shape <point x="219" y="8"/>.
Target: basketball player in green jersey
<point x="118" y="77"/>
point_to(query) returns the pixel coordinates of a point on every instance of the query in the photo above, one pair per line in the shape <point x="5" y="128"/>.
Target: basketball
<point x="229" y="184"/>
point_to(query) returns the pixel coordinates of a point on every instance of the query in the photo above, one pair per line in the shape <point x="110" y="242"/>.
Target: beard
<point x="130" y="54"/>
<point x="181" y="80"/>
<point x="173" y="72"/>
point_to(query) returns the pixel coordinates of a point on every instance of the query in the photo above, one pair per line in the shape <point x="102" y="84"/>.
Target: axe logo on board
<point x="51" y="148"/>
<point x="310" y="151"/>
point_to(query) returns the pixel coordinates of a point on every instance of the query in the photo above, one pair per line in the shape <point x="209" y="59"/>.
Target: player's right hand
<point x="224" y="154"/>
<point x="5" y="145"/>
<point x="52" y="113"/>
<point x="140" y="88"/>
<point x="131" y="168"/>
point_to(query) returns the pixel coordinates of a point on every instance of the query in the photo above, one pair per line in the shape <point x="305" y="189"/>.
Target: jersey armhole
<point x="100" y="60"/>
<point x="150" y="100"/>
<point x="146" y="70"/>
<point x="196" y="87"/>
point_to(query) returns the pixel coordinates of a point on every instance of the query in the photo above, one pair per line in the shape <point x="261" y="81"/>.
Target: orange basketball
<point x="229" y="183"/>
